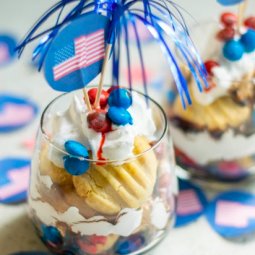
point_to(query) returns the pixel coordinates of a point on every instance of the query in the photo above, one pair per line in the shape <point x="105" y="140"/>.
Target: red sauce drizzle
<point x="100" y="150"/>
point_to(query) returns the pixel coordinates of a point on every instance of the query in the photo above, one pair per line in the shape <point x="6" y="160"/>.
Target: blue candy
<point x="120" y="98"/>
<point x="73" y="165"/>
<point x="130" y="244"/>
<point x="233" y="50"/>
<point x="120" y="116"/>
<point x="51" y="234"/>
<point x="248" y="41"/>
<point x="76" y="149"/>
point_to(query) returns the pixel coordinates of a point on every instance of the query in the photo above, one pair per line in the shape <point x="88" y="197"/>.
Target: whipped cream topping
<point x="231" y="146"/>
<point x="119" y="143"/>
<point x="224" y="75"/>
<point x="159" y="215"/>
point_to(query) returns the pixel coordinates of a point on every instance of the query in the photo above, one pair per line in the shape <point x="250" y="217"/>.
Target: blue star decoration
<point x="191" y="203"/>
<point x="15" y="112"/>
<point x="14" y="179"/>
<point x="232" y="214"/>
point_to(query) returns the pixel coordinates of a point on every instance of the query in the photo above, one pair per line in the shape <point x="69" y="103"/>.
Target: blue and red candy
<point x="248" y="41"/>
<point x="228" y="19"/>
<point x="250" y="22"/>
<point x="120" y="116"/>
<point x="103" y="98"/>
<point x="73" y="165"/>
<point x="120" y="98"/>
<point x="99" y="121"/>
<point x="233" y="50"/>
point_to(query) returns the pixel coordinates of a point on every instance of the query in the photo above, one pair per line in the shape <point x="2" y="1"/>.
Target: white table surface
<point x="16" y="232"/>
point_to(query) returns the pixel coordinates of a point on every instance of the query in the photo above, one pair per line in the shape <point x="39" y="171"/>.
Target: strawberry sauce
<point x="100" y="150"/>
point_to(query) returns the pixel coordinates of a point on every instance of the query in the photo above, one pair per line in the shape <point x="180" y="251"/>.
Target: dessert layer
<point x="118" y="144"/>
<point x="203" y="148"/>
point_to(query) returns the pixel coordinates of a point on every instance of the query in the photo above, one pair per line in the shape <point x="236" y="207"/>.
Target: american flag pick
<point x="76" y="55"/>
<point x="191" y="203"/>
<point x="232" y="214"/>
<point x="14" y="179"/>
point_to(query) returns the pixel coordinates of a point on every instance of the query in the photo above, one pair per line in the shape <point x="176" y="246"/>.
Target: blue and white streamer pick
<point x="229" y="2"/>
<point x="122" y="13"/>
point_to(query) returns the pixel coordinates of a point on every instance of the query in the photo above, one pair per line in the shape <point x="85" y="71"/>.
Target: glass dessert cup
<point x="214" y="137"/>
<point x="116" y="207"/>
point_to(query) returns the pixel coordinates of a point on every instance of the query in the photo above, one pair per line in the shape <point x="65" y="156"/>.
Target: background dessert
<point x="214" y="138"/>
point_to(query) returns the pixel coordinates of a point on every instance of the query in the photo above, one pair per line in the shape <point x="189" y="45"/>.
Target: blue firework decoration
<point x="162" y="18"/>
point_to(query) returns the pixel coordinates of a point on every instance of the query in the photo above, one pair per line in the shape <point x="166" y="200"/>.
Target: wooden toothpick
<point x="86" y="98"/>
<point x="241" y="11"/>
<point x="100" y="86"/>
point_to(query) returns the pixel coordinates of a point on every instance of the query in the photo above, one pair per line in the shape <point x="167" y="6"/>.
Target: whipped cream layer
<point x="119" y="143"/>
<point x="127" y="220"/>
<point x="223" y="76"/>
<point x="203" y="149"/>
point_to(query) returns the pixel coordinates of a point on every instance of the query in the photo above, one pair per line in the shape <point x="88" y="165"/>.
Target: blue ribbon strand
<point x="121" y="13"/>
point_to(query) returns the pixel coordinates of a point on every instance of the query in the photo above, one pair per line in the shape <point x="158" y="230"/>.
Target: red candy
<point x="103" y="99"/>
<point x="99" y="121"/>
<point x="226" y="34"/>
<point x="97" y="239"/>
<point x="209" y="65"/>
<point x="250" y="23"/>
<point x="87" y="247"/>
<point x="112" y="88"/>
<point x="228" y="19"/>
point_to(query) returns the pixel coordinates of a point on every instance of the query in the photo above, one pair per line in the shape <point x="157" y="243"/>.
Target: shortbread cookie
<point x="109" y="188"/>
<point x="221" y="114"/>
<point x="58" y="175"/>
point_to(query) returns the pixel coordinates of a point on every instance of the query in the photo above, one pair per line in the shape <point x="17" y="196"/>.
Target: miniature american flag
<point x="233" y="214"/>
<point x="85" y="51"/>
<point x="18" y="182"/>
<point x="188" y="203"/>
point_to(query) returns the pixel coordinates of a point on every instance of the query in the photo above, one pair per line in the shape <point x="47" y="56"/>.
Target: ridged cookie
<point x="222" y="113"/>
<point x="109" y="188"/>
<point x="58" y="175"/>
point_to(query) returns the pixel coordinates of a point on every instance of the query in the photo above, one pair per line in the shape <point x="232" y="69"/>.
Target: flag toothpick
<point x="100" y="86"/>
<point x="86" y="98"/>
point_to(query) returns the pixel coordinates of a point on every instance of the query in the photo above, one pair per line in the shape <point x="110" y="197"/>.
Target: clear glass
<point x="217" y="157"/>
<point x="125" y="208"/>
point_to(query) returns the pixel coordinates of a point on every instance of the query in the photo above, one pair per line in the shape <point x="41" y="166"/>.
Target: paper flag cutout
<point x="7" y="46"/>
<point x="29" y="144"/>
<point x="229" y="2"/>
<point x="232" y="214"/>
<point x="30" y="253"/>
<point x="14" y="179"/>
<point x="15" y="112"/>
<point x="76" y="54"/>
<point x="191" y="203"/>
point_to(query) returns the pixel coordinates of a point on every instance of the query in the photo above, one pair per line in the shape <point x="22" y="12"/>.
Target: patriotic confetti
<point x="14" y="179"/>
<point x="191" y="203"/>
<point x="7" y="46"/>
<point x="15" y="112"/>
<point x="232" y="214"/>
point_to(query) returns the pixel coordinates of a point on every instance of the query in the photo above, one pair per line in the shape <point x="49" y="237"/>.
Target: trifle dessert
<point x="214" y="138"/>
<point x="102" y="181"/>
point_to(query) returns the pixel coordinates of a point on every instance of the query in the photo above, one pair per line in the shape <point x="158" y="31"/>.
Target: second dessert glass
<point x="116" y="207"/>
<point x="215" y="137"/>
